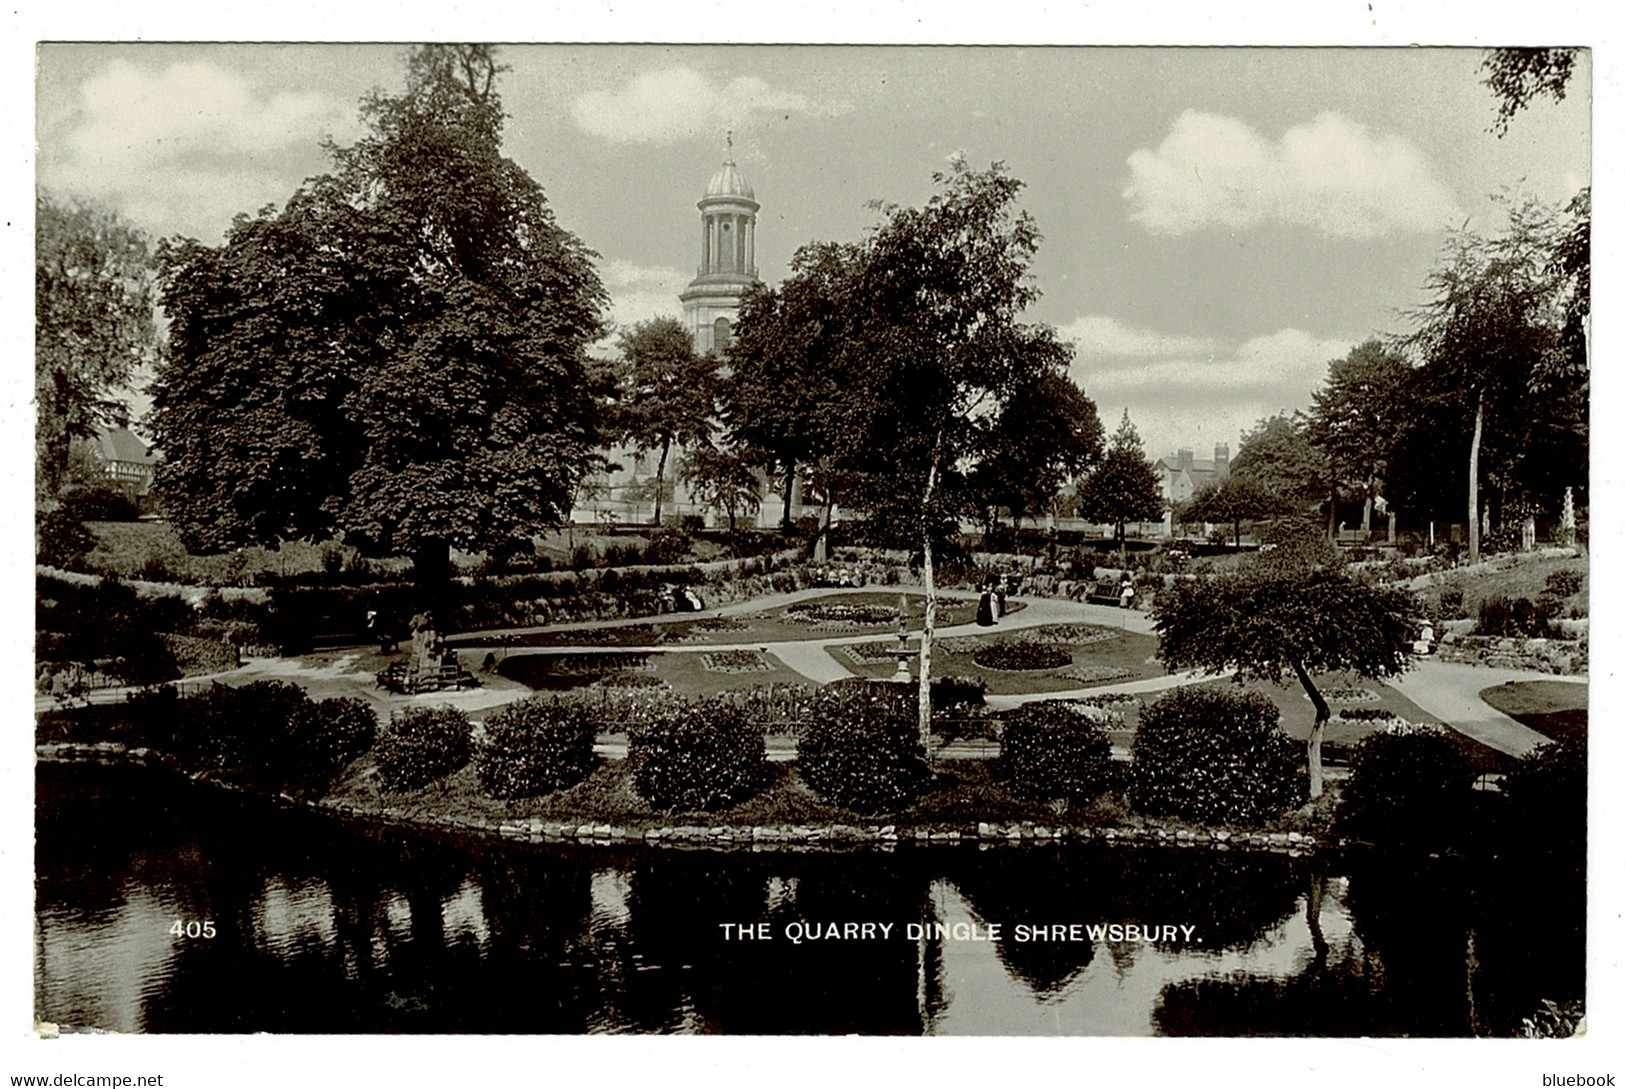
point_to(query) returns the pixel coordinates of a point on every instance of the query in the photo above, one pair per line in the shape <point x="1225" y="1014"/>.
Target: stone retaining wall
<point x="800" y="837"/>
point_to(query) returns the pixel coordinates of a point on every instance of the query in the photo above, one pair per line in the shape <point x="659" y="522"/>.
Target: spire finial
<point x="729" y="137"/>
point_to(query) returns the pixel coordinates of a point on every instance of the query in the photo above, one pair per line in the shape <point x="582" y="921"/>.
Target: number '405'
<point x="192" y="929"/>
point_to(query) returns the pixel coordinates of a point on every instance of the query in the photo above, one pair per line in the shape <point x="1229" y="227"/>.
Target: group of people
<point x="991" y="605"/>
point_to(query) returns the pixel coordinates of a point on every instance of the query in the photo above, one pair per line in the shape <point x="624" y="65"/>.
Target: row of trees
<point x="1489" y="393"/>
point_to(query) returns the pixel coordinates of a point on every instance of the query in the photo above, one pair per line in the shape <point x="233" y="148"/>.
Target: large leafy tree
<point x="1496" y="359"/>
<point x="668" y="395"/>
<point x="1123" y="488"/>
<point x="1519" y="76"/>
<point x="397" y="355"/>
<point x="919" y="325"/>
<point x="1274" y="618"/>
<point x="93" y="324"/>
<point x="789" y="400"/>
<point x="1048" y="434"/>
<point x="724" y="480"/>
<point x="1356" y="415"/>
<point x="1278" y="456"/>
<point x="1232" y="500"/>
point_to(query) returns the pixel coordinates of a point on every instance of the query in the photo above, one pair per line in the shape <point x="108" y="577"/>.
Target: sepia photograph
<point x="811" y="540"/>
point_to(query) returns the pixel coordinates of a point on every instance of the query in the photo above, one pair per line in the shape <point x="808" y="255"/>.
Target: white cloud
<point x="640" y="292"/>
<point x="186" y="148"/>
<point x="1333" y="175"/>
<point x="1098" y="336"/>
<point x="672" y="104"/>
<point x="1192" y="391"/>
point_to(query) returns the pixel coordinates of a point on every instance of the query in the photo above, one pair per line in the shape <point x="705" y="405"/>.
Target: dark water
<point x="324" y="927"/>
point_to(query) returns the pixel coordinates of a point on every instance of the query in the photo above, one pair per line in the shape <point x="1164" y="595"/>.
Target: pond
<point x="320" y="926"/>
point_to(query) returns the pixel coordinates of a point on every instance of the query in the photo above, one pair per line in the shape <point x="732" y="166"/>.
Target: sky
<point x="1218" y="224"/>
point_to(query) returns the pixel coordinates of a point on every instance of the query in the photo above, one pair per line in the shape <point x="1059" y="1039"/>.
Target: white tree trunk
<point x="1472" y="483"/>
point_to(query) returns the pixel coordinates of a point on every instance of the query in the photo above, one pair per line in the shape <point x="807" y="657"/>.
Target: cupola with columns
<point x="727" y="256"/>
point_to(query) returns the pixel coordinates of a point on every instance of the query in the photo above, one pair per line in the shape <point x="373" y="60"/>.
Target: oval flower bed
<point x="841" y="614"/>
<point x="1022" y="656"/>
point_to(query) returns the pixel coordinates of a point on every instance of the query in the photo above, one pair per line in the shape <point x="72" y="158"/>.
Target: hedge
<point x="701" y="755"/>
<point x="334" y="733"/>
<point x="422" y="745"/>
<point x="1545" y="793"/>
<point x="1053" y="750"/>
<point x="1214" y="755"/>
<point x="861" y="748"/>
<point x="535" y="747"/>
<point x="1410" y="785"/>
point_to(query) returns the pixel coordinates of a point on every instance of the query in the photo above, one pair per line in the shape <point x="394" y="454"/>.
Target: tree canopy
<point x="1124" y="486"/>
<point x="668" y="392"/>
<point x="397" y="355"/>
<point x="1357" y="414"/>
<point x="1232" y="500"/>
<point x="1047" y="434"/>
<point x="93" y="324"/>
<point x="1500" y="382"/>
<point x="1271" y="619"/>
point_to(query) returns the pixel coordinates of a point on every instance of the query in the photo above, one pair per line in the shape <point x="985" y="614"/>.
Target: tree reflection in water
<point x="329" y="927"/>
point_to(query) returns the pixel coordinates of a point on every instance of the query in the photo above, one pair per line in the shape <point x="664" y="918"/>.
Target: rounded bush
<point x="1546" y="793"/>
<point x="1214" y="755"/>
<point x="861" y="746"/>
<point x="422" y="745"/>
<point x="1022" y="656"/>
<point x="701" y="755"/>
<point x="535" y="747"/>
<point x="335" y="732"/>
<point x="1408" y="785"/>
<point x="248" y="730"/>
<point x="1052" y="749"/>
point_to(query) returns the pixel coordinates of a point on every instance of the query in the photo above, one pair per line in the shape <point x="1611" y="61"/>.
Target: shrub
<point x="667" y="546"/>
<point x="702" y="755"/>
<point x="1213" y="754"/>
<point x="1546" y="794"/>
<point x="60" y="539"/>
<point x="335" y="732"/>
<point x="1054" y="750"/>
<point x="535" y="747"/>
<point x="1022" y="655"/>
<point x="1452" y="603"/>
<point x="1409" y="785"/>
<point x="1515" y="617"/>
<point x="244" y="731"/>
<point x="861" y="747"/>
<point x="422" y="745"/>
<point x="1565" y="583"/>
<point x="99" y="503"/>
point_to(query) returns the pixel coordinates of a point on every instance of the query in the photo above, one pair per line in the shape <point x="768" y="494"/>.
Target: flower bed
<point x="1347" y="694"/>
<point x="576" y="665"/>
<point x="838" y="614"/>
<point x="869" y="653"/>
<point x="736" y="661"/>
<point x="1095" y="674"/>
<point x="1021" y="656"/>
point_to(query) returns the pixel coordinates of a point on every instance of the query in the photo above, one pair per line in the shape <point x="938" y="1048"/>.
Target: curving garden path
<point x="1447" y="691"/>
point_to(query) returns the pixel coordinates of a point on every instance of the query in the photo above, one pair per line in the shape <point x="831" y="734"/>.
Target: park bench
<point x="1106" y="587"/>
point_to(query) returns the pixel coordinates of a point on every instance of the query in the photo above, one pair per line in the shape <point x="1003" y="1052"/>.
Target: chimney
<point x="1187" y="458"/>
<point x="1221" y="459"/>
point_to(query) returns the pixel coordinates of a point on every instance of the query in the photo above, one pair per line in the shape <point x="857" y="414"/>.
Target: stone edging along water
<point x="726" y="837"/>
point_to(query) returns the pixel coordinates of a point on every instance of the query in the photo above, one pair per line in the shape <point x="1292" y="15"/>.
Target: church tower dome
<point x="727" y="256"/>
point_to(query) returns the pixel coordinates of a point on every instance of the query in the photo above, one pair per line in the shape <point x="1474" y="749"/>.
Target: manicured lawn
<point x="1554" y="708"/>
<point x="1125" y="656"/>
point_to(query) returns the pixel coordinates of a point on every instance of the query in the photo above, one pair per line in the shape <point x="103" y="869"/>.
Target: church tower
<point x="727" y="256"/>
